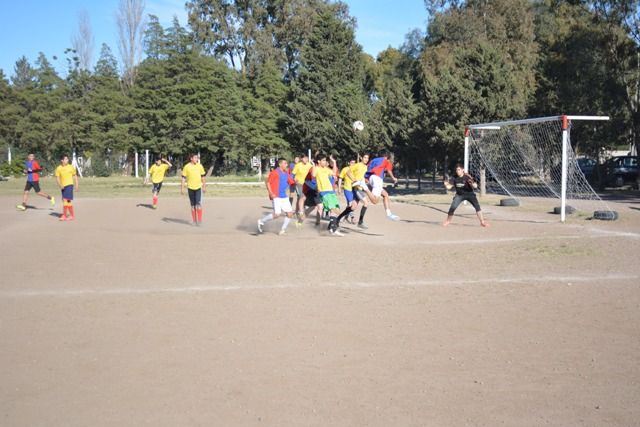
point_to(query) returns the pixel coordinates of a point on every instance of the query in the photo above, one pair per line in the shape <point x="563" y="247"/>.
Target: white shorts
<point x="281" y="205"/>
<point x="376" y="185"/>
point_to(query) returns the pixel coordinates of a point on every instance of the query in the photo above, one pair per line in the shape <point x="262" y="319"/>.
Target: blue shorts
<point x="67" y="192"/>
<point x="195" y="197"/>
<point x="348" y="194"/>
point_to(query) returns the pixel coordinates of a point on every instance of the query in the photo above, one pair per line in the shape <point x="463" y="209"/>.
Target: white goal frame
<point x="566" y="119"/>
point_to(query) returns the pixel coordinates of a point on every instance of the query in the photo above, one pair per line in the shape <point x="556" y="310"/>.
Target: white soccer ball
<point x="358" y="126"/>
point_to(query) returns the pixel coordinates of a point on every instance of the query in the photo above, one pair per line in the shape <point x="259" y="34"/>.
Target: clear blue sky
<point x="30" y="27"/>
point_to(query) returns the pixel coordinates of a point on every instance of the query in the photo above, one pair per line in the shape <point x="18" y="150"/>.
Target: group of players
<point x="315" y="182"/>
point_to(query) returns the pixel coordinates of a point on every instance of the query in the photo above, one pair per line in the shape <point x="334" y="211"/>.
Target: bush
<point x="14" y="169"/>
<point x="99" y="168"/>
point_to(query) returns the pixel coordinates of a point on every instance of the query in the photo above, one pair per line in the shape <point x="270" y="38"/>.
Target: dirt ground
<point x="130" y="316"/>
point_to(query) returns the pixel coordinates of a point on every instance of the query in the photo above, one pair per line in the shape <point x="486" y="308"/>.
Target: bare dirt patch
<point x="130" y="316"/>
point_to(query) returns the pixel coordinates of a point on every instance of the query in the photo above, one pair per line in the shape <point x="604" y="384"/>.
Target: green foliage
<point x="14" y="169"/>
<point x="99" y="168"/>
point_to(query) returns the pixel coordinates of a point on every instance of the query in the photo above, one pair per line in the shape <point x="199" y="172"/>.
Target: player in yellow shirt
<point x="156" y="172"/>
<point x="193" y="175"/>
<point x="65" y="175"/>
<point x="345" y="180"/>
<point x="323" y="173"/>
<point x="300" y="172"/>
<point x="355" y="174"/>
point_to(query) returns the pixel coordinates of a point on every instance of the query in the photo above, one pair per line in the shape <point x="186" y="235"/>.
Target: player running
<point x="345" y="181"/>
<point x="355" y="174"/>
<point x="32" y="167"/>
<point x="193" y="175"/>
<point x="300" y="172"/>
<point x="65" y="175"/>
<point x="323" y="173"/>
<point x="156" y="172"/>
<point x="375" y="174"/>
<point x="464" y="184"/>
<point x="277" y="183"/>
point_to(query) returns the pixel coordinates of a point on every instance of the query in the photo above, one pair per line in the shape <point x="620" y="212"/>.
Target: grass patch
<point x="122" y="187"/>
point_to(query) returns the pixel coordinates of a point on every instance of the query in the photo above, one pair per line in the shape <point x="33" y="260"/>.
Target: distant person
<point x="193" y="175"/>
<point x="355" y="173"/>
<point x="65" y="175"/>
<point x="464" y="185"/>
<point x="32" y="168"/>
<point x="277" y="183"/>
<point x="157" y="172"/>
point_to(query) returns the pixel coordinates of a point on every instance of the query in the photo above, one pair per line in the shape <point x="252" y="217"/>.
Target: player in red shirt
<point x="277" y="183"/>
<point x="375" y="175"/>
<point x="33" y="181"/>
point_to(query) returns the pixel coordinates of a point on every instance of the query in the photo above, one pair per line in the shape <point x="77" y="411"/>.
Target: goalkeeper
<point x="463" y="182"/>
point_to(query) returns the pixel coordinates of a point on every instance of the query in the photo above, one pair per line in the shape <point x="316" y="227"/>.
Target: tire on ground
<point x="509" y="202"/>
<point x="567" y="209"/>
<point x="605" y="215"/>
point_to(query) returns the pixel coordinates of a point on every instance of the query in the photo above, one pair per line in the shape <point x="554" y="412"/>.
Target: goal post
<point x="532" y="158"/>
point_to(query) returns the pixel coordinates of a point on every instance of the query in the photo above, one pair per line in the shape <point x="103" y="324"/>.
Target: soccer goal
<point x="533" y="160"/>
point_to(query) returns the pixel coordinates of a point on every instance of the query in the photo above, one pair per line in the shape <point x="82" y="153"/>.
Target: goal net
<point x="532" y="159"/>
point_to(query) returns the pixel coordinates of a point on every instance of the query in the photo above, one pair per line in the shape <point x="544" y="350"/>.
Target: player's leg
<point x="476" y="205"/>
<point x="363" y="211"/>
<point x="457" y="199"/>
<point x="275" y="214"/>
<point x="199" y="206"/>
<point x="288" y="210"/>
<point x="192" y="203"/>
<point x="385" y="201"/>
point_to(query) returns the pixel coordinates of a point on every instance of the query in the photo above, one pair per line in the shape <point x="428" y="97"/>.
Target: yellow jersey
<point x="358" y="170"/>
<point x="66" y="174"/>
<point x="300" y="171"/>
<point x="157" y="172"/>
<point x="346" y="181"/>
<point x="322" y="179"/>
<point x="193" y="174"/>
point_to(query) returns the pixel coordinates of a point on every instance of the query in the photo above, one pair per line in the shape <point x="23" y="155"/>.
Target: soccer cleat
<point x="485" y="224"/>
<point x="337" y="233"/>
<point x="260" y="225"/>
<point x="21" y="208"/>
<point x="155" y="207"/>
<point x="361" y="225"/>
<point x="63" y="218"/>
<point x="298" y="224"/>
<point x="71" y="218"/>
<point x="282" y="233"/>
<point x="393" y="217"/>
<point x="53" y="201"/>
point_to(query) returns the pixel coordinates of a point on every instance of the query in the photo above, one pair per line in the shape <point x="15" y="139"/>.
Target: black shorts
<point x="157" y="187"/>
<point x="312" y="199"/>
<point x="32" y="184"/>
<point x="195" y="197"/>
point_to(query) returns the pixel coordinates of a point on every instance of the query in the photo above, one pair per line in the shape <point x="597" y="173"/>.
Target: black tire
<point x="509" y="202"/>
<point x="618" y="181"/>
<point x="567" y="209"/>
<point x="605" y="215"/>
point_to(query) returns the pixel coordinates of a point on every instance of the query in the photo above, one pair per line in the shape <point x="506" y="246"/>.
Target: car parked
<point x="587" y="166"/>
<point x="621" y="169"/>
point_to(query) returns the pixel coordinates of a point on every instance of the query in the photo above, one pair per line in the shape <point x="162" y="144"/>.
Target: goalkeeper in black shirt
<point x="464" y="185"/>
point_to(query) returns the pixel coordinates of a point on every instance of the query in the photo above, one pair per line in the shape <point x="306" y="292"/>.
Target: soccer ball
<point x="358" y="126"/>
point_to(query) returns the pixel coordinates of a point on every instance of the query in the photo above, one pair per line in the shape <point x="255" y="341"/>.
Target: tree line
<point x="267" y="78"/>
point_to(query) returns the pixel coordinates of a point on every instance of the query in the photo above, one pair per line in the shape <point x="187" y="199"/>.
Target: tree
<point x="23" y="74"/>
<point x="328" y="95"/>
<point x="83" y="41"/>
<point x="130" y="24"/>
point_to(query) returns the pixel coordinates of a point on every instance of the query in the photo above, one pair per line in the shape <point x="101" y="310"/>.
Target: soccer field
<point x="132" y="316"/>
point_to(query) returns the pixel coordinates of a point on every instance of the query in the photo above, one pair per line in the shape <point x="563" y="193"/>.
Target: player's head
<point x="459" y="169"/>
<point x="64" y="159"/>
<point x="304" y="158"/>
<point x="282" y="163"/>
<point x="383" y="153"/>
<point x="194" y="158"/>
<point x="365" y="157"/>
<point x="30" y="156"/>
<point x="321" y="157"/>
<point x="296" y="159"/>
<point x="158" y="160"/>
